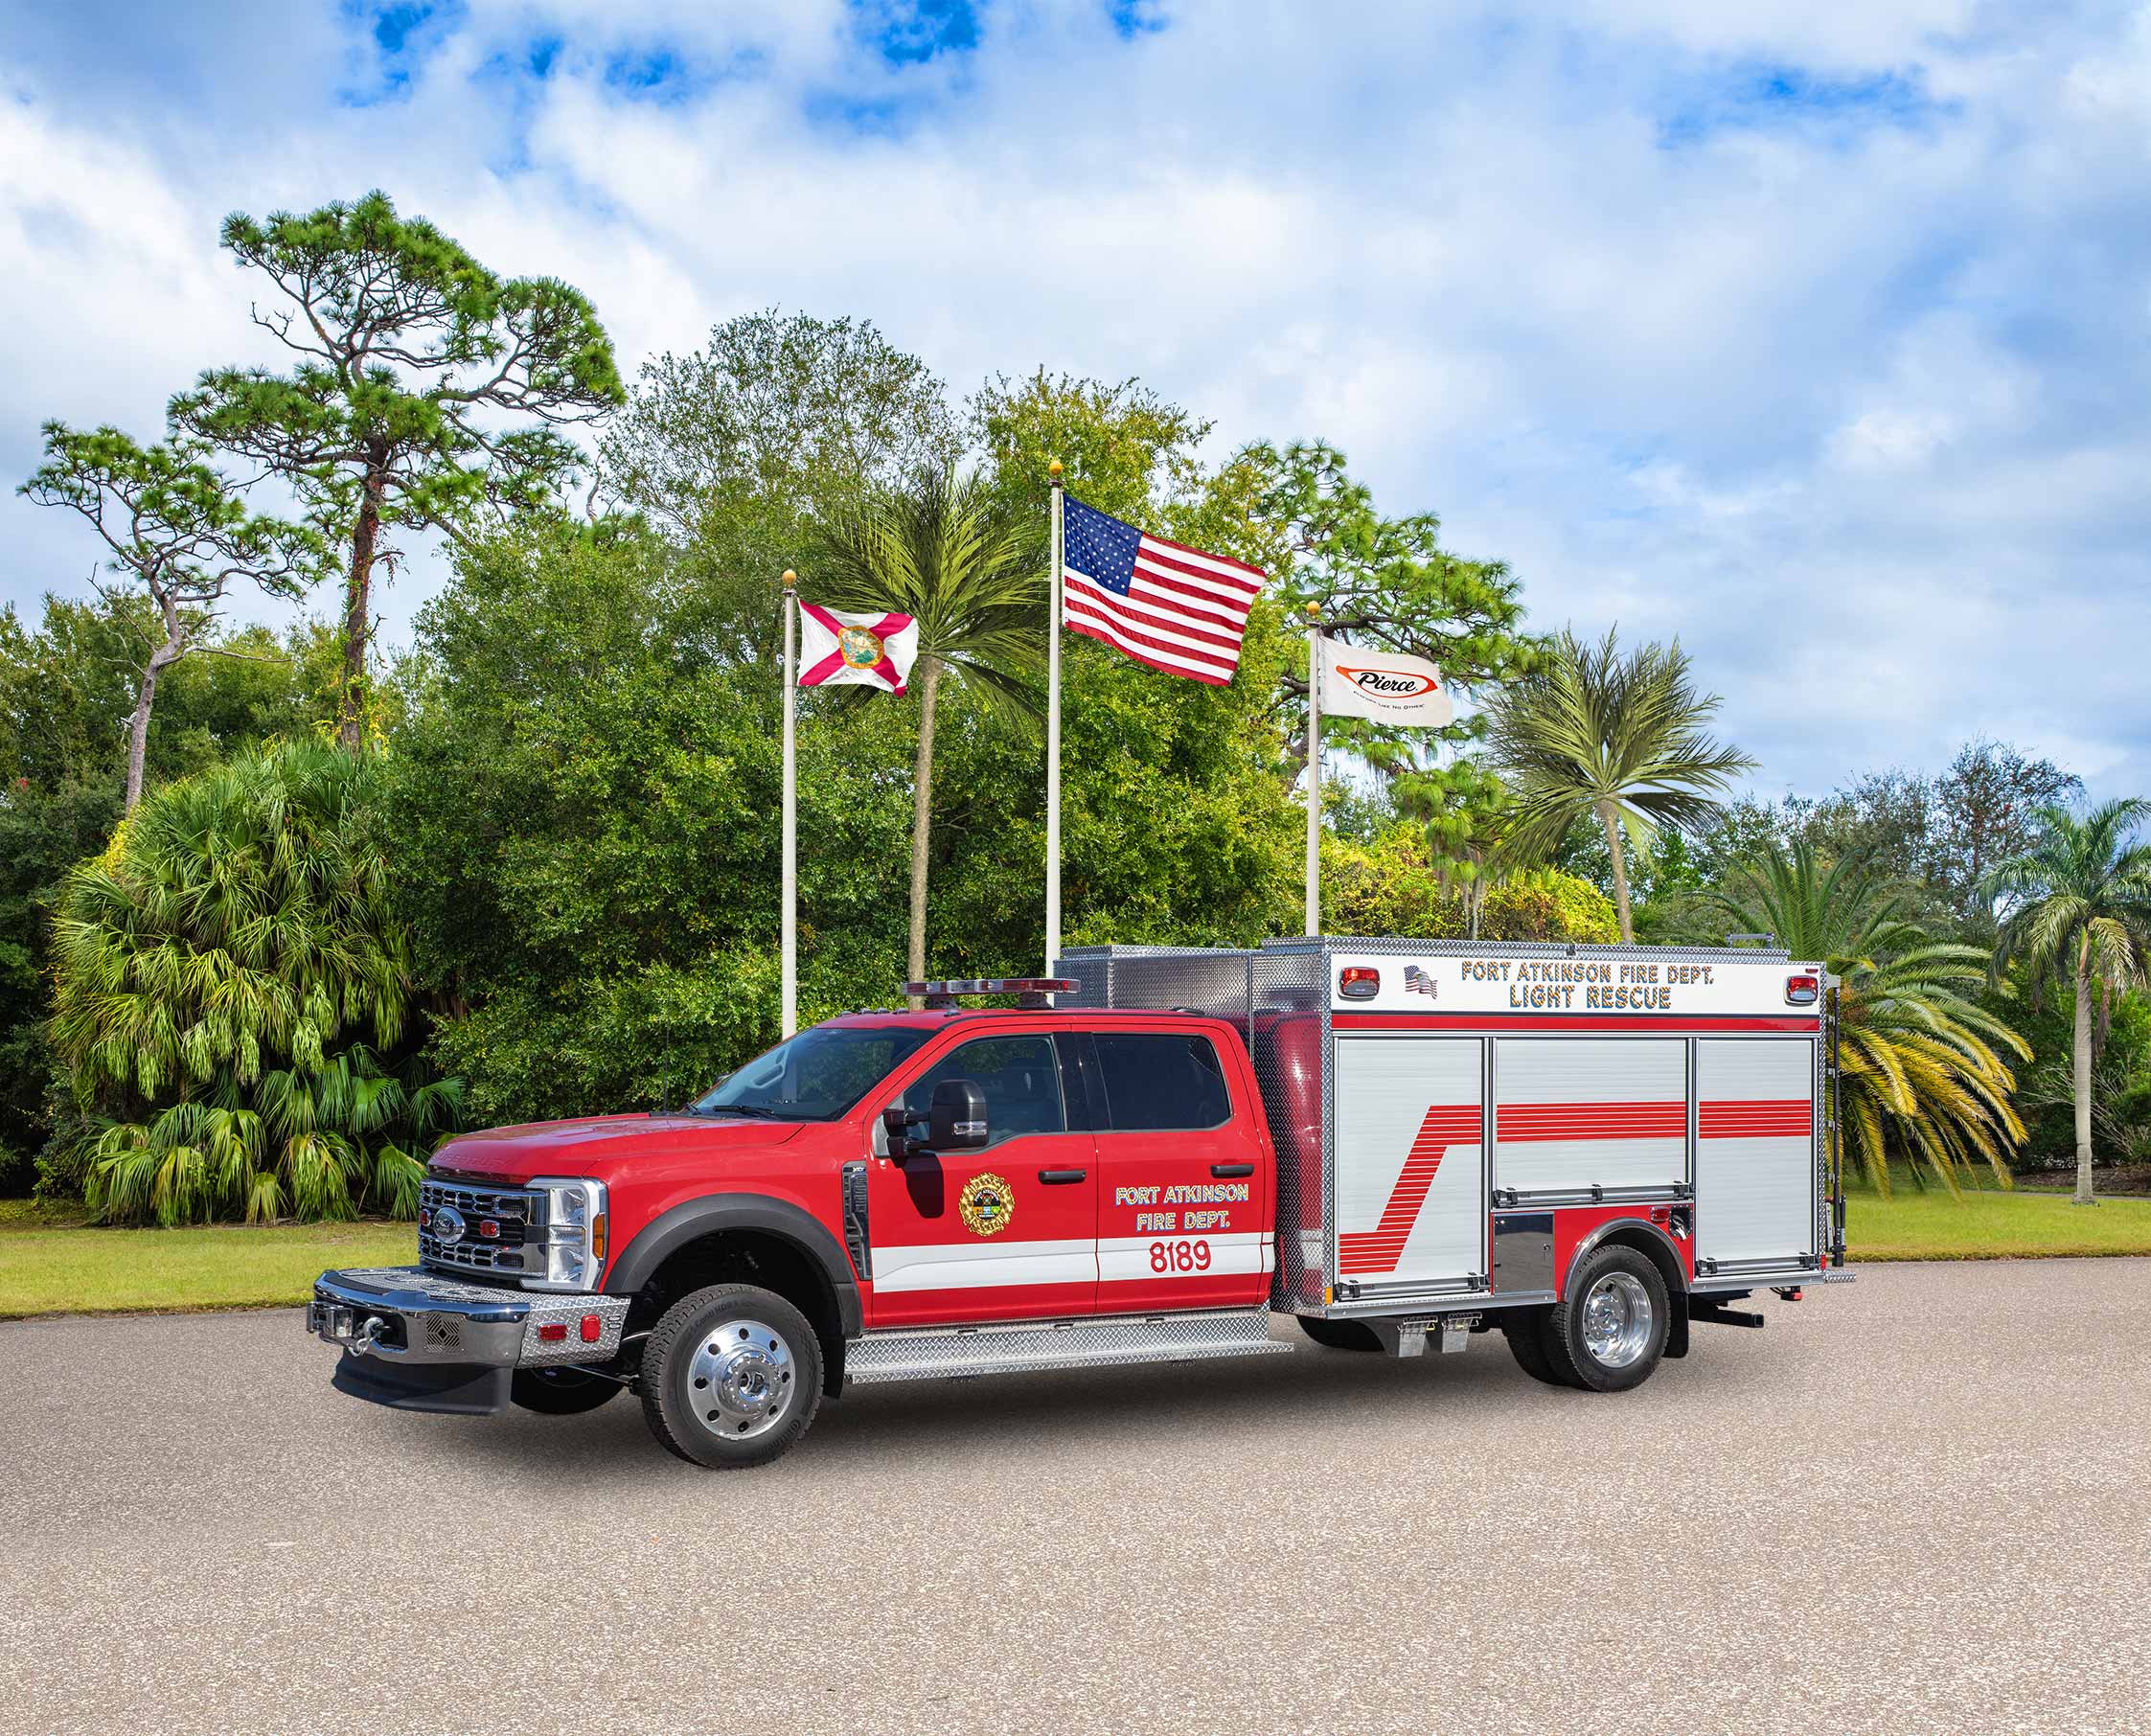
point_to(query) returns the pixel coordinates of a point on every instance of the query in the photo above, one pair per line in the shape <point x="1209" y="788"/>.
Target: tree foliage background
<point x="573" y="780"/>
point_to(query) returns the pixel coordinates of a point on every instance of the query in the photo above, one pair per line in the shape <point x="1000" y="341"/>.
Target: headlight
<point x="569" y="1234"/>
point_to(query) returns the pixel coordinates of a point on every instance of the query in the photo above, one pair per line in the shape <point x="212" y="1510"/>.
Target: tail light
<point x="1802" y="991"/>
<point x="1358" y="982"/>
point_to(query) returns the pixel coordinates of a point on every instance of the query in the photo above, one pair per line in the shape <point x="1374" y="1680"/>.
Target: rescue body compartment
<point x="1459" y="1121"/>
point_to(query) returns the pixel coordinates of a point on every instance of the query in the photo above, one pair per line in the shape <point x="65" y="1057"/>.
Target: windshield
<point x="816" y="1076"/>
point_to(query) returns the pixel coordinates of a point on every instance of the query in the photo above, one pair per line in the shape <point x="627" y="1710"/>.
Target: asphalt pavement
<point x="1920" y="1502"/>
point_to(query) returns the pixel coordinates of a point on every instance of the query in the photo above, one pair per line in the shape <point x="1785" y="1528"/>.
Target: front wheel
<point x="731" y="1377"/>
<point x="559" y="1392"/>
<point x="1610" y="1331"/>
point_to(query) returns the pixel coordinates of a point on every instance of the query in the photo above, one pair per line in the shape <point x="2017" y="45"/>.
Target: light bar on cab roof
<point x="1031" y="992"/>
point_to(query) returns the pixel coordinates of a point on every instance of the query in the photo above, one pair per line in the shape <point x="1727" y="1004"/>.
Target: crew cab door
<point x="1007" y="1231"/>
<point x="1183" y="1207"/>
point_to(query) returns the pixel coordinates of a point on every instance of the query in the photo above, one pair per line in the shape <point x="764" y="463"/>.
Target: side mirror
<point x="957" y="1118"/>
<point x="895" y="1119"/>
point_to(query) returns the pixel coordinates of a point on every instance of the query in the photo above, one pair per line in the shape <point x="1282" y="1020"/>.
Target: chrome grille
<point x="511" y="1209"/>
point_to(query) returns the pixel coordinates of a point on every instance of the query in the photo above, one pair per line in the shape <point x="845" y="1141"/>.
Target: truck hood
<point x="598" y="1145"/>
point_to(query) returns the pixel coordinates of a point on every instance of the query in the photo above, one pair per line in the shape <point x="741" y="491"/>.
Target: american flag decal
<point x="1419" y="982"/>
<point x="1174" y="607"/>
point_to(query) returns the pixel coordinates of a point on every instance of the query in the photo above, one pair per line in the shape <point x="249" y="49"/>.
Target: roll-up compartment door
<point x="1756" y="1170"/>
<point x="1576" y="1112"/>
<point x="1410" y="1160"/>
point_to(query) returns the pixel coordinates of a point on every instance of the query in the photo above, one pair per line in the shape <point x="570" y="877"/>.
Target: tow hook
<point x="368" y="1335"/>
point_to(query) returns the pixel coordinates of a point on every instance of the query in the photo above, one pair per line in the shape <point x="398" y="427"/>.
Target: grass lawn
<point x="1986" y="1224"/>
<point x="49" y="1264"/>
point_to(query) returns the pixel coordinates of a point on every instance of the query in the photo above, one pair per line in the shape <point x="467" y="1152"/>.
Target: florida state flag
<point x="837" y="647"/>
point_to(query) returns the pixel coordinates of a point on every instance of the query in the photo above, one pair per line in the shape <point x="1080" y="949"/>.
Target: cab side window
<point x="1019" y="1075"/>
<point x="1156" y="1083"/>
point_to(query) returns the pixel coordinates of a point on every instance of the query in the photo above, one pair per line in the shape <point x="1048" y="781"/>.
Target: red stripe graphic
<point x="1760" y="1118"/>
<point x="1518" y="1122"/>
<point x="1379" y="1250"/>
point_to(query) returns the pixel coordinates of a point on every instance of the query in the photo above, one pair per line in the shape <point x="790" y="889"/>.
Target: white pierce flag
<point x="1385" y="687"/>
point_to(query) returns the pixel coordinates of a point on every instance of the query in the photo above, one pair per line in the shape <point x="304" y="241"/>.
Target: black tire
<point x="1568" y="1347"/>
<point x="1525" y="1328"/>
<point x="1339" y="1334"/>
<point x="559" y="1392"/>
<point x="731" y="1377"/>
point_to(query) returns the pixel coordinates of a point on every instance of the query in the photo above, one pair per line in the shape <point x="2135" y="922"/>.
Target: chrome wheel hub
<point x="741" y="1383"/>
<point x="1616" y="1319"/>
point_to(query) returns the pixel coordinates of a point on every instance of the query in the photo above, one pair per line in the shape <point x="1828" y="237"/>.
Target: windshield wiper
<point x="742" y="1109"/>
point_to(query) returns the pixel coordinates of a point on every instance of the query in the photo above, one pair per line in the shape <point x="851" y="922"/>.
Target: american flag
<point x="1163" y="603"/>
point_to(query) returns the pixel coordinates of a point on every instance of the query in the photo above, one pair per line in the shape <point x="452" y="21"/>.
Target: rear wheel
<point x="1610" y="1332"/>
<point x="1339" y="1334"/>
<point x="731" y="1377"/>
<point x="1525" y="1329"/>
<point x="559" y="1392"/>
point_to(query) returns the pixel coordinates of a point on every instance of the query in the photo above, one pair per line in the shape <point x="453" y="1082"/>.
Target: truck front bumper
<point x="423" y="1340"/>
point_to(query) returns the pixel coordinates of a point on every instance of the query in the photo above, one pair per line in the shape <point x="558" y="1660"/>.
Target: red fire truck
<point x="1143" y="1160"/>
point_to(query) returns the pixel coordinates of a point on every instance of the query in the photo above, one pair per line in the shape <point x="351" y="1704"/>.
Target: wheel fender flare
<point x="1663" y="1254"/>
<point x="671" y="1230"/>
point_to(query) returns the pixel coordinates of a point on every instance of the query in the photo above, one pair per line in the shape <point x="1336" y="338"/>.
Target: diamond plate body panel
<point x="1080" y="1343"/>
<point x="570" y="1310"/>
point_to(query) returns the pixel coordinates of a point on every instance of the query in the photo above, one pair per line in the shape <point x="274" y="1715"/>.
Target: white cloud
<point x="1815" y="335"/>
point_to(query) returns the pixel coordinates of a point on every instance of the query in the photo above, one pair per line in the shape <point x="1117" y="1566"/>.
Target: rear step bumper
<point x="1102" y="1343"/>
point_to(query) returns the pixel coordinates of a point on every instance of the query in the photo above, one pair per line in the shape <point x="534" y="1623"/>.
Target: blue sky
<point x="1817" y="334"/>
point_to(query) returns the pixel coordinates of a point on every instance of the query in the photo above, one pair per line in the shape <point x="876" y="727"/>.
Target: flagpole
<point x="788" y="945"/>
<point x="1313" y="768"/>
<point x="1053" y="737"/>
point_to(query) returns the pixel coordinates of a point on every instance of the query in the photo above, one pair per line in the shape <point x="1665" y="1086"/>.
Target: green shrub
<point x="1392" y="887"/>
<point x="232" y="1002"/>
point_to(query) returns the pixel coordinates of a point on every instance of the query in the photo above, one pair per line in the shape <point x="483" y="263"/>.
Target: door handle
<point x="1061" y="1178"/>
<point x="1231" y="1172"/>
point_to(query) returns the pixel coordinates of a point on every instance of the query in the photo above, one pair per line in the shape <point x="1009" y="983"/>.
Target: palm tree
<point x="1623" y="738"/>
<point x="2079" y="908"/>
<point x="216" y="974"/>
<point x="944" y="551"/>
<point x="1917" y="1064"/>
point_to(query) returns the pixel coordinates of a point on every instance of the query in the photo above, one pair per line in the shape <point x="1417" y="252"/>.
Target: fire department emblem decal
<point x="858" y="647"/>
<point x="986" y="1204"/>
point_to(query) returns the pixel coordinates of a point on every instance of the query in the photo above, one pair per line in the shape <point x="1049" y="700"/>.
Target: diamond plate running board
<point x="1080" y="1343"/>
